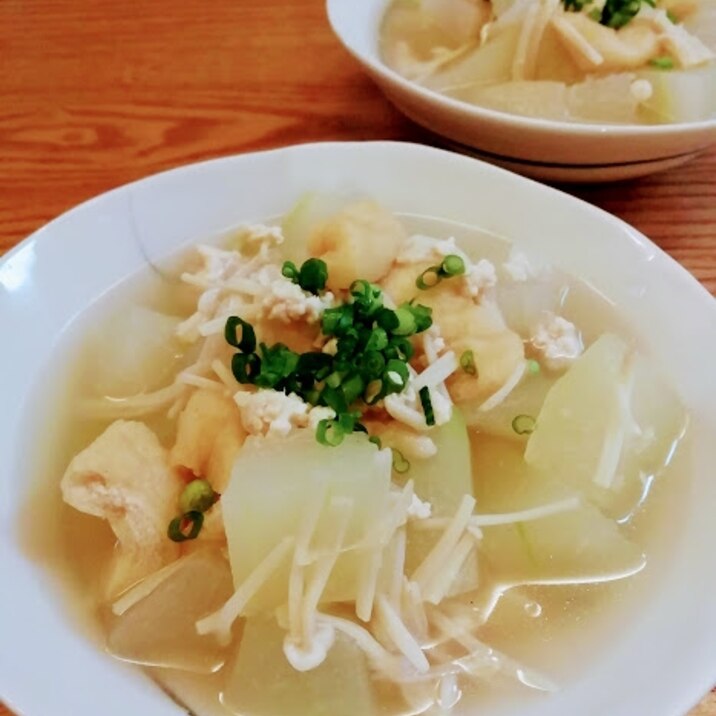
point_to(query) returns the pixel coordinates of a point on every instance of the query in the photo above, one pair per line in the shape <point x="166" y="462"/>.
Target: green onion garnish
<point x="396" y="374"/>
<point x="427" y="404"/>
<point x="524" y="424"/>
<point x="197" y="496"/>
<point x="329" y="433"/>
<point x="369" y="359"/>
<point x="614" y="13"/>
<point x="400" y="348"/>
<point x="376" y="441"/>
<point x="400" y="464"/>
<point x="662" y="63"/>
<point x="290" y="271"/>
<point x="467" y="362"/>
<point x="533" y="367"/>
<point x="452" y="265"/>
<point x="367" y="295"/>
<point x="243" y="339"/>
<point x="429" y="278"/>
<point x="406" y="322"/>
<point x="185" y="527"/>
<point x="245" y="367"/>
<point x="313" y="275"/>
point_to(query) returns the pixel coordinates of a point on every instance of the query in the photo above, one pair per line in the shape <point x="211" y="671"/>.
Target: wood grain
<point x="96" y="93"/>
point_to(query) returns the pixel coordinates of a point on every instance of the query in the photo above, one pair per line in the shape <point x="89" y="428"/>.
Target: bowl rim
<point x="662" y="266"/>
<point x="514" y="121"/>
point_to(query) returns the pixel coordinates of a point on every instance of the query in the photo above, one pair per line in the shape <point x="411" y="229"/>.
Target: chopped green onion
<point x="452" y="265"/>
<point x="315" y="365"/>
<point x="672" y="17"/>
<point x="369" y="360"/>
<point x="337" y="321"/>
<point x="423" y="315"/>
<point x="367" y="296"/>
<point x="614" y="13"/>
<point x="400" y="348"/>
<point x="185" y="527"/>
<point x="334" y="399"/>
<point x="313" y="275"/>
<point x="247" y="342"/>
<point x="662" y="63"/>
<point x="406" y="322"/>
<point x="533" y="367"/>
<point x="352" y="388"/>
<point x="277" y="363"/>
<point x="400" y="464"/>
<point x="524" y="424"/>
<point x="290" y="271"/>
<point x="329" y="433"/>
<point x="197" y="496"/>
<point x="429" y="278"/>
<point x="377" y="340"/>
<point x="386" y="319"/>
<point x="245" y="367"/>
<point x="467" y="362"/>
<point x="372" y="364"/>
<point x="376" y="441"/>
<point x="396" y="375"/>
<point x="427" y="404"/>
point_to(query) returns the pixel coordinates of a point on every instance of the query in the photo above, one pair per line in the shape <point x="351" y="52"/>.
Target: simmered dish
<point x="614" y="61"/>
<point x="341" y="458"/>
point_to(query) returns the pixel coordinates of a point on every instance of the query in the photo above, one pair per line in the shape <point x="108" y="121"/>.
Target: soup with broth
<point x="356" y="463"/>
<point x="643" y="62"/>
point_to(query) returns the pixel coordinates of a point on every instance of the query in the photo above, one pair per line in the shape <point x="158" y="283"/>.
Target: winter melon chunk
<point x="277" y="484"/>
<point x="443" y="480"/>
<point x="263" y="683"/>
<point x="573" y="542"/>
<point x="157" y="626"/>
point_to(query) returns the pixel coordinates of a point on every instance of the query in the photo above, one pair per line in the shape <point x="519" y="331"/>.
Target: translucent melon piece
<point x="530" y="98"/>
<point x="610" y="422"/>
<point x="303" y="217"/>
<point x="662" y="421"/>
<point x="159" y="629"/>
<point x="135" y="351"/>
<point x="604" y="99"/>
<point x="262" y="683"/>
<point x="526" y="399"/>
<point x="276" y="482"/>
<point x="524" y="303"/>
<point x="460" y="20"/>
<point x="579" y="545"/>
<point x="443" y="480"/>
<point x="554" y="61"/>
<point x="581" y="427"/>
<point x="680" y="95"/>
<point x="198" y="693"/>
<point x="488" y="64"/>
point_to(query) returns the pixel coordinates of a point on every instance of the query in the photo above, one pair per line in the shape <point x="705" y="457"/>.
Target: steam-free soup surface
<point x="483" y="560"/>
<point x="615" y="62"/>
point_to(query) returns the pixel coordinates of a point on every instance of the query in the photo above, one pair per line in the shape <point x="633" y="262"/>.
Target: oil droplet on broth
<point x="533" y="609"/>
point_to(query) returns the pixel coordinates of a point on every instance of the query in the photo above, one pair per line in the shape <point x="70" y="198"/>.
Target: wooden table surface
<point x="96" y="93"/>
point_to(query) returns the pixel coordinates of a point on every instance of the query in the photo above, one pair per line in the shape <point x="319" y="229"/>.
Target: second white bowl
<point x="546" y="149"/>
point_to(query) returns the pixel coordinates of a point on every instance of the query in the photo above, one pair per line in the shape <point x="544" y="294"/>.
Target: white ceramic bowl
<point x="546" y="149"/>
<point x="658" y="666"/>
